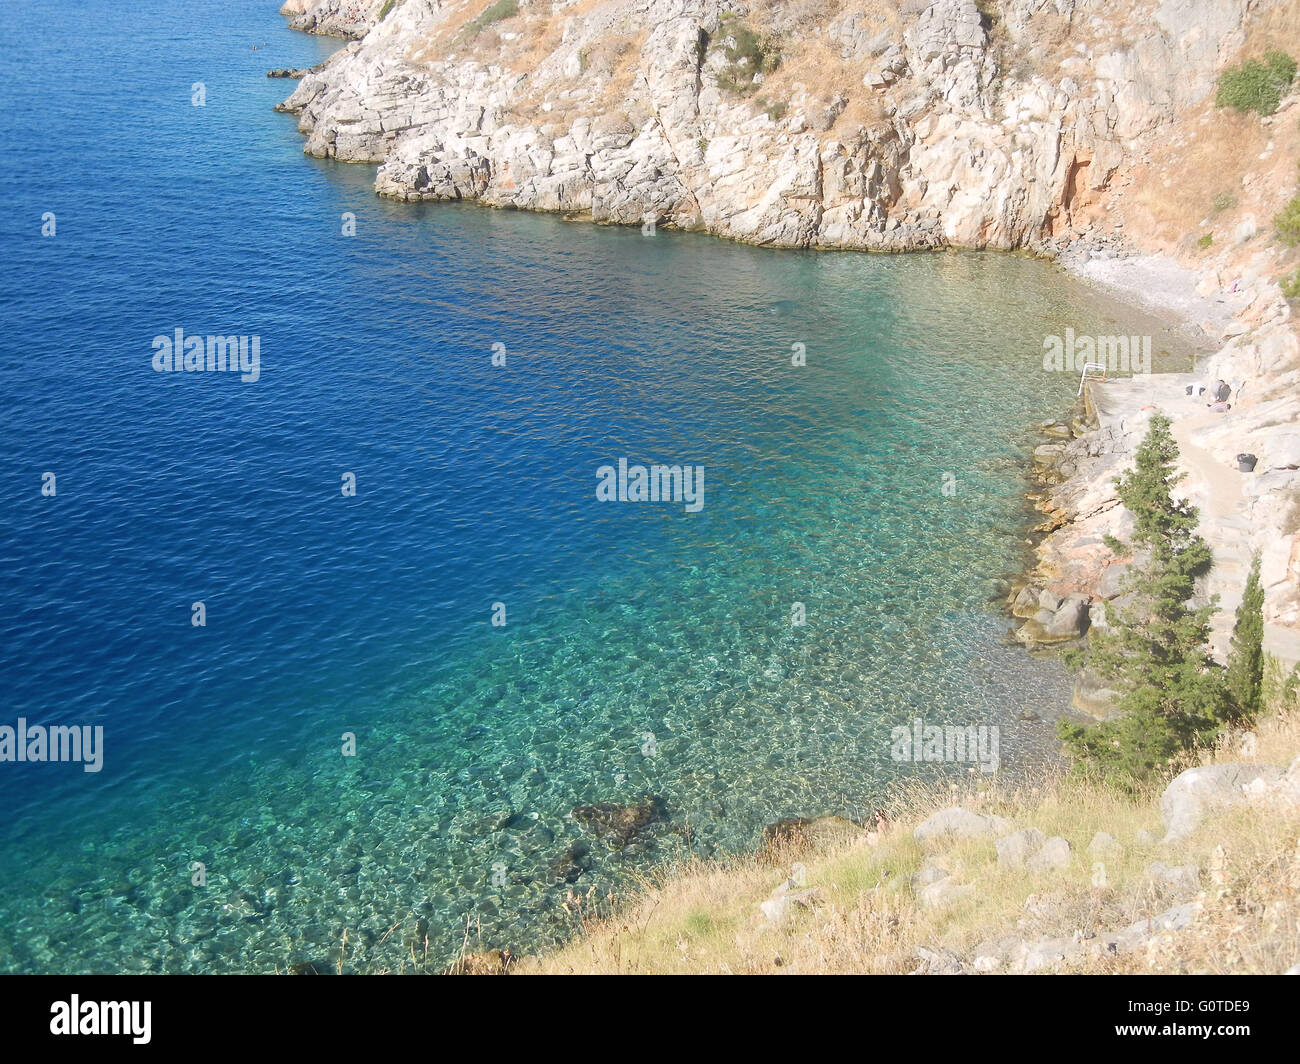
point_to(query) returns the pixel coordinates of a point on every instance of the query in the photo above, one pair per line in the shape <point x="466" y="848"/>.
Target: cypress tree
<point x="1155" y="649"/>
<point x="1245" y="678"/>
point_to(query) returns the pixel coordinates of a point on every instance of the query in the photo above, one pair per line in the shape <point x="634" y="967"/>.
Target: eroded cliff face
<point x="884" y="126"/>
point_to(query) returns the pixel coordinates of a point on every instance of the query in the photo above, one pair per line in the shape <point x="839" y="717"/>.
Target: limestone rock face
<point x="955" y="131"/>
<point x="334" y="18"/>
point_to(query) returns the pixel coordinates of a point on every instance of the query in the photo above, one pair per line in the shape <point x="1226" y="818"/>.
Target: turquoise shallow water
<point x="647" y="651"/>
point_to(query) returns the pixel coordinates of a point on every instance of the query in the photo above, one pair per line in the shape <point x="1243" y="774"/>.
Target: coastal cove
<point x="648" y="695"/>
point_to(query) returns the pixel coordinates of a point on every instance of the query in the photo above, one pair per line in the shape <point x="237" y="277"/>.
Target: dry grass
<point x="1211" y="153"/>
<point x="705" y="917"/>
<point x="1275" y="27"/>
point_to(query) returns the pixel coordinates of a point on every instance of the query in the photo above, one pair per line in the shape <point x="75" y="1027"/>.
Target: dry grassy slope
<point x="1217" y="172"/>
<point x="867" y="915"/>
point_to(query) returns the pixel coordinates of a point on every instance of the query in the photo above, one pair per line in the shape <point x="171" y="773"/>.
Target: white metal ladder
<point x="1087" y="368"/>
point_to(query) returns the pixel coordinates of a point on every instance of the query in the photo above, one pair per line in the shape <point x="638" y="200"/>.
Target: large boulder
<point x="929" y="873"/>
<point x="1140" y="933"/>
<point x="1092" y="696"/>
<point x="1025" y="604"/>
<point x="1105" y="847"/>
<point x="1016" y="848"/>
<point x="1054" y="856"/>
<point x="961" y="824"/>
<point x="1198" y="790"/>
<point x="946" y="892"/>
<point x="1071" y="619"/>
<point x="1064" y="622"/>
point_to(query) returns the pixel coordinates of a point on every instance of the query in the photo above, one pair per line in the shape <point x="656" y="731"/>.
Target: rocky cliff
<point x="885" y="126"/>
<point x="1084" y="129"/>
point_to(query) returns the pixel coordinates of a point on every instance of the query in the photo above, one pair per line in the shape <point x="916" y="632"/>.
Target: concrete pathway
<point x="1219" y="491"/>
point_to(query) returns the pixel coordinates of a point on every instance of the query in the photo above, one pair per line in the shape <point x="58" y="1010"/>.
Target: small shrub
<point x="383" y="11"/>
<point x="747" y="54"/>
<point x="1282" y="66"/>
<point x="1287" y="223"/>
<point x="502" y="9"/>
<point x="1224" y="201"/>
<point x="774" y="111"/>
<point x="1206" y="240"/>
<point x="1291" y="286"/>
<point x="1257" y="84"/>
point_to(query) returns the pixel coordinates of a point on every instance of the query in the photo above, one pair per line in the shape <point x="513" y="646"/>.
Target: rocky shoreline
<point x="1243" y="514"/>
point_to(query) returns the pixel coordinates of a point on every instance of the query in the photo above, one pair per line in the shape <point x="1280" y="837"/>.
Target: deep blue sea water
<point x="647" y="651"/>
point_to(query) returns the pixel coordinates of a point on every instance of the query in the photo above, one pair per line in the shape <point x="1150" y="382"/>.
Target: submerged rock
<point x="797" y="834"/>
<point x="618" y="824"/>
<point x="489" y="962"/>
<point x="572" y="863"/>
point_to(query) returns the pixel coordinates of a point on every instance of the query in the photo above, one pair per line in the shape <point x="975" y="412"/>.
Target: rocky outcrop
<point x="935" y="124"/>
<point x="1242" y="515"/>
<point x="350" y="19"/>
<point x="1026" y="956"/>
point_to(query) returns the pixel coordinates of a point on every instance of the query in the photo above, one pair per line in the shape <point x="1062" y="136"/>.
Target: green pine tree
<point x="1245" y="678"/>
<point x="1155" y="648"/>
